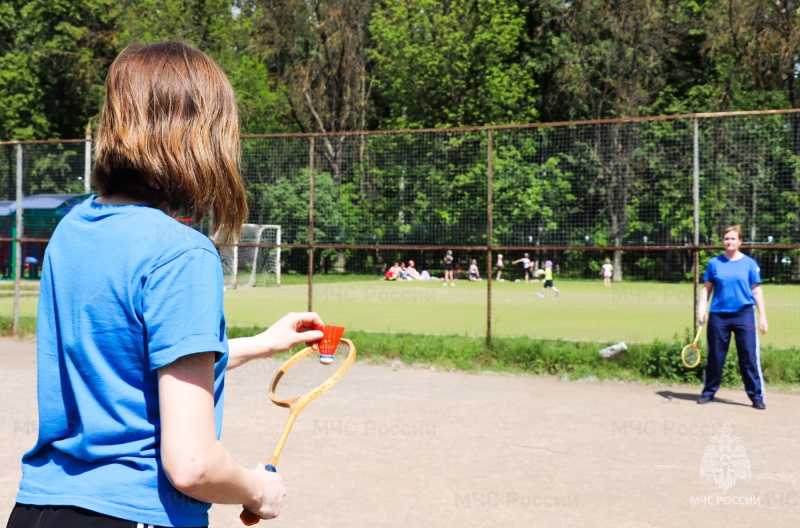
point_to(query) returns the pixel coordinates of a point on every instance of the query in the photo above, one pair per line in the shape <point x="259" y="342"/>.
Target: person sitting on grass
<point x="412" y="272"/>
<point x="403" y="272"/>
<point x="393" y="273"/>
<point x="474" y="274"/>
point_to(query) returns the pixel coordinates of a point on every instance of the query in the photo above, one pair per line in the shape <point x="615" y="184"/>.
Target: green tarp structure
<point x="41" y="213"/>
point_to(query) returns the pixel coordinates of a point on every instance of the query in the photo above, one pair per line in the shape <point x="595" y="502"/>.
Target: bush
<point x="658" y="361"/>
<point x="27" y="326"/>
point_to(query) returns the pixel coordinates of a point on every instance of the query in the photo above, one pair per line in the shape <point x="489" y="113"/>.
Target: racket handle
<point x="249" y="518"/>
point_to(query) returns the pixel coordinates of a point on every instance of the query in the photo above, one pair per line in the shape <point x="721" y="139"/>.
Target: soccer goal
<point x="255" y="259"/>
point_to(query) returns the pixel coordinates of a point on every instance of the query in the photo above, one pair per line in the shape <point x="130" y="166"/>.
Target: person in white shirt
<point x="607" y="271"/>
<point x="526" y="266"/>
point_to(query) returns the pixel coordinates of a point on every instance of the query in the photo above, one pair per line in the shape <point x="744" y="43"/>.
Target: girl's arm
<point x="193" y="459"/>
<point x="758" y="295"/>
<point x="292" y="329"/>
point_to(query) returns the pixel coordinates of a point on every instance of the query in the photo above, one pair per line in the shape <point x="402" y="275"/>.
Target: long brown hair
<point x="169" y="134"/>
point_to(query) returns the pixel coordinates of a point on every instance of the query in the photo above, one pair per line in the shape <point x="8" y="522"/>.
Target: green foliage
<point x="225" y="34"/>
<point x="658" y="361"/>
<point x="21" y="99"/>
<point x="263" y="108"/>
<point x="204" y="23"/>
<point x="778" y="365"/>
<point x="533" y="192"/>
<point x="27" y="326"/>
<point x="458" y="62"/>
<point x="50" y="173"/>
<point x="338" y="66"/>
<point x="285" y="201"/>
<point x="452" y="63"/>
<point x="53" y="63"/>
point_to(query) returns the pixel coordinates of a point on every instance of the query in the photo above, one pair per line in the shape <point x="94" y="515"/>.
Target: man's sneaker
<point x="540" y="294"/>
<point x="705" y="399"/>
<point x="558" y="293"/>
<point x="758" y="404"/>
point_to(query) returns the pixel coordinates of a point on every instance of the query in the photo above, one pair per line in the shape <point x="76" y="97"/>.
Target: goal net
<point x="255" y="259"/>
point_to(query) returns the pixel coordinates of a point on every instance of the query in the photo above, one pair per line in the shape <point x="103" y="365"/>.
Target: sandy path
<point x="401" y="447"/>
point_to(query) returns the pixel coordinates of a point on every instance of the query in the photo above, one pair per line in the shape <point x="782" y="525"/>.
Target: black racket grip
<point x="249" y="518"/>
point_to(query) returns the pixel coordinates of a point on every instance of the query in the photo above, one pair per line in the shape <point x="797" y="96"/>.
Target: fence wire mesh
<point x="651" y="195"/>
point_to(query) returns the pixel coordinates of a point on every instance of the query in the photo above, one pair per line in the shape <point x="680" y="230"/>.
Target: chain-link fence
<point x="651" y="195"/>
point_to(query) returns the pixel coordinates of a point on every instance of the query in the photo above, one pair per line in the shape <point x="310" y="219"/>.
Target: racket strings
<point x="691" y="355"/>
<point x="308" y="374"/>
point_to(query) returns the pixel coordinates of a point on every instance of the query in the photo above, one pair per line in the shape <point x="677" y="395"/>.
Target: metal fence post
<point x="696" y="207"/>
<point x="17" y="245"/>
<point x="311" y="225"/>
<point x="87" y="160"/>
<point x="489" y="245"/>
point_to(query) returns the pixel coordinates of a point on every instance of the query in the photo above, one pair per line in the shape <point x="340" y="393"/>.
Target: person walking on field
<point x="548" y="279"/>
<point x="734" y="280"/>
<point x="607" y="270"/>
<point x="526" y="266"/>
<point x="132" y="348"/>
<point x="499" y="266"/>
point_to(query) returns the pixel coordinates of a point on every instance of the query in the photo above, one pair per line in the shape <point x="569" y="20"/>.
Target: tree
<point x="224" y="30"/>
<point x="615" y="60"/>
<point x="755" y="47"/>
<point x="53" y="58"/>
<point x="452" y="63"/>
<point x="315" y="51"/>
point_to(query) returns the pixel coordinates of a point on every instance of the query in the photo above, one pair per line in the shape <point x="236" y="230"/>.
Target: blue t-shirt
<point x="733" y="283"/>
<point x="125" y="290"/>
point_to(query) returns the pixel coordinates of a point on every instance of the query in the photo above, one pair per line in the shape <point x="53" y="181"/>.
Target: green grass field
<point x="635" y="312"/>
<point x="585" y="311"/>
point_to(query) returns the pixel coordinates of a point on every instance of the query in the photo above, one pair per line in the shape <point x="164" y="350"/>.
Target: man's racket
<point x="690" y="355"/>
<point x="301" y="379"/>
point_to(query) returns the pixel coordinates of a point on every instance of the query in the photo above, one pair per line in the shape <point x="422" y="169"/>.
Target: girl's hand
<point x="272" y="494"/>
<point x="291" y="330"/>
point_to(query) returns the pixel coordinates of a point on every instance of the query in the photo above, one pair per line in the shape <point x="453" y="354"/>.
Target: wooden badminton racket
<point x="690" y="355"/>
<point x="300" y="380"/>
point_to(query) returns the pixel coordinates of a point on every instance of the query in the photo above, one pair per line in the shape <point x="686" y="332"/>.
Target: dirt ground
<point x="399" y="446"/>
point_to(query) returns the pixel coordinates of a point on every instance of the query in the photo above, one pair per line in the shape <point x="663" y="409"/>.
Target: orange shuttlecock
<point x="330" y="340"/>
